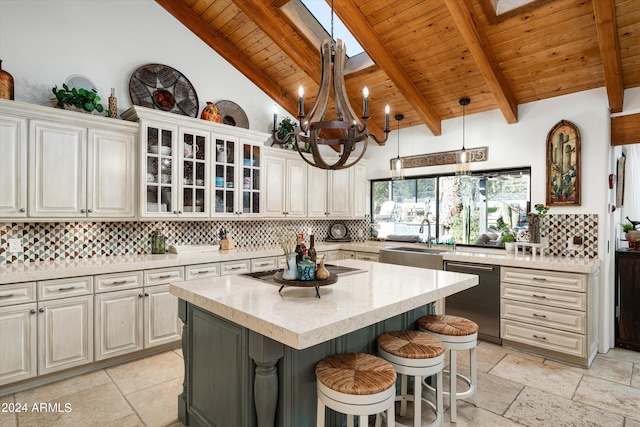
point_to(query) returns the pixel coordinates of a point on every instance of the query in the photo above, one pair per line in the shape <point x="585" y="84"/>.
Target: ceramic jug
<point x="291" y="272"/>
<point x="222" y="154"/>
<point x="190" y="150"/>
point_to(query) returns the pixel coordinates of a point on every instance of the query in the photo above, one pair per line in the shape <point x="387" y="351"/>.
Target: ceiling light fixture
<point x="313" y="127"/>
<point x="397" y="171"/>
<point x="463" y="161"/>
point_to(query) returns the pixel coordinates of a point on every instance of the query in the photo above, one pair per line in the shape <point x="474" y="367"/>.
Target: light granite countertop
<point x="295" y="317"/>
<point x="45" y="270"/>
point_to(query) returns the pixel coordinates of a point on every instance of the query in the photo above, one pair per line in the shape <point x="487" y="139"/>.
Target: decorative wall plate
<point x="338" y="232"/>
<point x="232" y="114"/>
<point x="163" y="88"/>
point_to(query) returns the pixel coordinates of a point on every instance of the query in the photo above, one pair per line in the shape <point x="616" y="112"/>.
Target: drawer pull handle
<point x="539" y="337"/>
<point x="202" y="272"/>
<point x="119" y="282"/>
<point x="7" y="296"/>
<point x="539" y="296"/>
<point x="540" y="279"/>
<point x="238" y="267"/>
<point x="166" y="276"/>
<point x="67" y="288"/>
<point x="539" y="315"/>
<point x="263" y="264"/>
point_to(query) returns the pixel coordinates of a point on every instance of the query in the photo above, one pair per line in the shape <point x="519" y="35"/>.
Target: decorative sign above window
<point x="479" y="154"/>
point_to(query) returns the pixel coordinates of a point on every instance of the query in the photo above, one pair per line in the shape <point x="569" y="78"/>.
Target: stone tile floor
<point x="515" y="389"/>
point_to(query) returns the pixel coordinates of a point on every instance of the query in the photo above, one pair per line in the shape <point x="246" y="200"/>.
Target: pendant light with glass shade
<point x="463" y="160"/>
<point x="397" y="171"/>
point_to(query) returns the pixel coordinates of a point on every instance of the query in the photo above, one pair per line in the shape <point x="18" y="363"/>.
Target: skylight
<point x="321" y="10"/>
<point x="503" y="6"/>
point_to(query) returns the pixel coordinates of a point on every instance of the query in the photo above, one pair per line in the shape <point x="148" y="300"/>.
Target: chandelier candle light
<point x="463" y="165"/>
<point x="352" y="130"/>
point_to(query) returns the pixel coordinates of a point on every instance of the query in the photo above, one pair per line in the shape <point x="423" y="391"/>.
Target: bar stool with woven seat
<point x="417" y="354"/>
<point x="355" y="384"/>
<point x="457" y="333"/>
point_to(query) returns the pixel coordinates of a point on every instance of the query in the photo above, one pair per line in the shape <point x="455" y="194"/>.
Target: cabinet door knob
<point x="146" y="294"/>
<point x="140" y="295"/>
<point x="32" y="311"/>
<point x="22" y="209"/>
<point x="89" y="210"/>
<point x="41" y="310"/>
<point x="82" y="211"/>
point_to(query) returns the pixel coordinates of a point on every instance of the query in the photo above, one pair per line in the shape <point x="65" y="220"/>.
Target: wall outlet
<point x="15" y="246"/>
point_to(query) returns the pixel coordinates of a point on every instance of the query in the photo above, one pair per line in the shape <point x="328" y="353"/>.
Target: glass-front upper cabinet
<point x="237" y="177"/>
<point x="159" y="144"/>
<point x="194" y="175"/>
<point x="251" y="159"/>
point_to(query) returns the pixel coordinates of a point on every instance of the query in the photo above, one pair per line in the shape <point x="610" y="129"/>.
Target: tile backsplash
<point x="45" y="241"/>
<point x="72" y="240"/>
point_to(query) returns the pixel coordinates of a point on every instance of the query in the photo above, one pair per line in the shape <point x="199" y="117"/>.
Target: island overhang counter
<point x="235" y="325"/>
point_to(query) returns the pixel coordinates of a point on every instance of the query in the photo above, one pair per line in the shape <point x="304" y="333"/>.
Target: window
<point x="321" y="11"/>
<point x="446" y="209"/>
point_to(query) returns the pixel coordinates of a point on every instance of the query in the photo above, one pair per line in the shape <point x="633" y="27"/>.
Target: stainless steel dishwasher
<point x="480" y="303"/>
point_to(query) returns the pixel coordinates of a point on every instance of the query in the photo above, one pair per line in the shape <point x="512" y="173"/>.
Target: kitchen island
<point x="250" y="351"/>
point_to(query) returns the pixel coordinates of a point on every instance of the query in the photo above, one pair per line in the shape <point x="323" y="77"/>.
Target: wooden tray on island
<point x="277" y="277"/>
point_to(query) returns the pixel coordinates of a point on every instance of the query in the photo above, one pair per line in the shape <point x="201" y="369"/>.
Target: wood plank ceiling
<point x="422" y="56"/>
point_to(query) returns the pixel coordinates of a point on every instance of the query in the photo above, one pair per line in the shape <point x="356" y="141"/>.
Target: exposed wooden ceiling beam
<point x="484" y="57"/>
<point x="610" y="52"/>
<point x="192" y="21"/>
<point x="353" y="19"/>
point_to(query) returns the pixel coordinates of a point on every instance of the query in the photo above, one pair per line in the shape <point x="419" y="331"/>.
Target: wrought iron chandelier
<point x="313" y="128"/>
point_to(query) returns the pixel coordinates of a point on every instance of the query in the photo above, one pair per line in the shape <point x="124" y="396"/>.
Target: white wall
<point x="44" y="42"/>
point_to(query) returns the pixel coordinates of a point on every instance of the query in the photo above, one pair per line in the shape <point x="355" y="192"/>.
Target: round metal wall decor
<point x="232" y="114"/>
<point x="163" y="88"/>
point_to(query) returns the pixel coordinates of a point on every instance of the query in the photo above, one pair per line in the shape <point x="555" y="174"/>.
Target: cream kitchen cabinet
<point x="13" y="167"/>
<point x="65" y="333"/>
<point x="237" y="174"/>
<point x="137" y="312"/>
<point x="174" y="171"/>
<point x="50" y="335"/>
<point x="79" y="172"/>
<point x="551" y="313"/>
<point x="339" y="193"/>
<point x="18" y="332"/>
<point x="62" y="164"/>
<point x="285" y="184"/>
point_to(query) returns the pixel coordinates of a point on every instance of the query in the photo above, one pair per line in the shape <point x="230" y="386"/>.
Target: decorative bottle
<point x="312" y="250"/>
<point x="157" y="242"/>
<point x="6" y="84"/>
<point x="299" y="251"/>
<point x="113" y="104"/>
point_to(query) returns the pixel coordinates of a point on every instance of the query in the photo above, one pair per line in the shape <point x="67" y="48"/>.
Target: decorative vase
<point x="6" y="84"/>
<point x="509" y="246"/>
<point x="322" y="273"/>
<point x="211" y="113"/>
<point x="306" y="269"/>
<point x="113" y="104"/>
<point x="534" y="228"/>
<point x="291" y="272"/>
<point x="157" y="242"/>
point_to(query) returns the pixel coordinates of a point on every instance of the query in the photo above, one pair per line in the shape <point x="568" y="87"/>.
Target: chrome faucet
<point x="425" y="219"/>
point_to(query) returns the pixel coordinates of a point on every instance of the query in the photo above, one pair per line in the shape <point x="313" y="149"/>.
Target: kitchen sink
<point x="413" y="256"/>
<point x="417" y="249"/>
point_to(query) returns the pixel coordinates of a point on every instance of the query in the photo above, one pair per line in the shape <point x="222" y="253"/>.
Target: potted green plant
<point x="287" y="127"/>
<point x="77" y="99"/>
<point x="630" y="233"/>
<point x="507" y="236"/>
